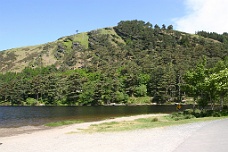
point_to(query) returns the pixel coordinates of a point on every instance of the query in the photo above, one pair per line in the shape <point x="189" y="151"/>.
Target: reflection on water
<point x="23" y="116"/>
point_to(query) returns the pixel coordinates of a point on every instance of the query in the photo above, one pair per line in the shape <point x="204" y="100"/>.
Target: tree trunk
<point x="37" y="96"/>
<point x="221" y="102"/>
<point x="212" y="103"/>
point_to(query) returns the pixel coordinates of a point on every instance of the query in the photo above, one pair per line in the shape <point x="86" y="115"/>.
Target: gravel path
<point x="165" y="139"/>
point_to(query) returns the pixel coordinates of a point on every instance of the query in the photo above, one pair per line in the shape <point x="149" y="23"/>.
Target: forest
<point x="131" y="60"/>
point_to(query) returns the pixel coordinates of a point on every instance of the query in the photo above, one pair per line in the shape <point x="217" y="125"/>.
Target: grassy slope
<point x="27" y="57"/>
<point x="82" y="38"/>
<point x="17" y="59"/>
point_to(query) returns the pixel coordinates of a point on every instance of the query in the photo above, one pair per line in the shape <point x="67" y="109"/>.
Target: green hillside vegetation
<point x="115" y="65"/>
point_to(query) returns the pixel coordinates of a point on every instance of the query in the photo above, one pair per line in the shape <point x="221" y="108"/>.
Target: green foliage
<point x="141" y="91"/>
<point x="139" y="100"/>
<point x="180" y="116"/>
<point x="155" y="119"/>
<point x="121" y="97"/>
<point x="224" y="112"/>
<point x="204" y="113"/>
<point x="160" y="98"/>
<point x="87" y="95"/>
<point x="31" y="102"/>
<point x="196" y="113"/>
<point x="206" y="85"/>
<point x="202" y="102"/>
<point x="188" y="111"/>
<point x="216" y="114"/>
<point x="213" y="35"/>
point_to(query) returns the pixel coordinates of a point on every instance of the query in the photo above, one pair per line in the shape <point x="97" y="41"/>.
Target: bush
<point x="202" y="102"/>
<point x="188" y="111"/>
<point x="225" y="107"/>
<point x="209" y="113"/>
<point x="197" y="113"/>
<point x="139" y="100"/>
<point x="224" y="113"/>
<point x="160" y="98"/>
<point x="216" y="114"/>
<point x="120" y="97"/>
<point x="141" y="91"/>
<point x="31" y="102"/>
<point x="154" y="119"/>
<point x="203" y="113"/>
<point x="189" y="116"/>
<point x="181" y="116"/>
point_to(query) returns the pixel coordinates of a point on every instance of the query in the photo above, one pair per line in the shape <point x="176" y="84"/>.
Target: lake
<point x="33" y="116"/>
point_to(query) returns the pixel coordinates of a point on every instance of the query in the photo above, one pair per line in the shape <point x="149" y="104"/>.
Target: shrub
<point x="31" y="101"/>
<point x="209" y="113"/>
<point x="216" y="114"/>
<point x="154" y="119"/>
<point x="197" y="113"/>
<point x="141" y="91"/>
<point x="160" y="98"/>
<point x="224" y="113"/>
<point x="121" y="97"/>
<point x="225" y="107"/>
<point x="203" y="113"/>
<point x="188" y="111"/>
<point x="189" y="116"/>
<point x="202" y="102"/>
<point x="181" y="116"/>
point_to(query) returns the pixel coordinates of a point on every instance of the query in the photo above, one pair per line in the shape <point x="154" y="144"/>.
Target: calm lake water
<point x="24" y="116"/>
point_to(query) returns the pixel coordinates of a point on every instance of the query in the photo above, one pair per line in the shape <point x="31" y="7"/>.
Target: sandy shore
<point x="61" y="139"/>
<point x="6" y="132"/>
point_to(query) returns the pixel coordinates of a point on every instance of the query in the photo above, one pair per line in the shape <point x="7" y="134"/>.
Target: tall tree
<point x="220" y="82"/>
<point x="195" y="84"/>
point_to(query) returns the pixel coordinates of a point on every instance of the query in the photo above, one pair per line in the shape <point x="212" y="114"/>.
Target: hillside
<point x="65" y="50"/>
<point x="107" y="65"/>
<point x="41" y="55"/>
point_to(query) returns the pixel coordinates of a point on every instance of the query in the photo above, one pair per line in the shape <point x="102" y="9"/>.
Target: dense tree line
<point x="213" y="35"/>
<point x="135" y="59"/>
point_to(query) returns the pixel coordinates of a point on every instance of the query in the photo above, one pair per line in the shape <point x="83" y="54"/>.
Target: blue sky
<point x="31" y="22"/>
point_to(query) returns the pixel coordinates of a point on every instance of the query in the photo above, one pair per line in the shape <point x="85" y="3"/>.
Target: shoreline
<point x="11" y="132"/>
<point x="69" y="138"/>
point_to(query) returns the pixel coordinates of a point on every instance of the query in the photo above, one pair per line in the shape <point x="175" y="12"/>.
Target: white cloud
<point x="207" y="15"/>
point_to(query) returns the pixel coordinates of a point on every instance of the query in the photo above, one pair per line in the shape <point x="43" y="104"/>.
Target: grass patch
<point x="144" y="123"/>
<point x="82" y="38"/>
<point x="62" y="123"/>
